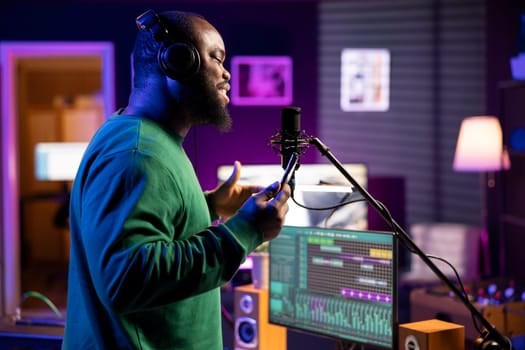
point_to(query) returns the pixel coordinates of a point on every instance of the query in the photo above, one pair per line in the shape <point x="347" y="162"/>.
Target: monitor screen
<point x="337" y="283"/>
<point x="317" y="186"/>
<point x="58" y="161"/>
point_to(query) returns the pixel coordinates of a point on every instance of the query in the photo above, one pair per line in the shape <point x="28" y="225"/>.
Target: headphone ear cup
<point x="179" y="61"/>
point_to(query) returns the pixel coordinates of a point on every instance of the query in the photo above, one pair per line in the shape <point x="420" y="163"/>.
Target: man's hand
<point x="228" y="197"/>
<point x="268" y="209"/>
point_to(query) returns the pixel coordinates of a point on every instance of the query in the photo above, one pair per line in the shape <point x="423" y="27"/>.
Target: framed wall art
<point x="261" y="80"/>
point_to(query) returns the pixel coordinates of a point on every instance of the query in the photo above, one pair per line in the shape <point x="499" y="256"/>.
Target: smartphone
<point x="290" y="169"/>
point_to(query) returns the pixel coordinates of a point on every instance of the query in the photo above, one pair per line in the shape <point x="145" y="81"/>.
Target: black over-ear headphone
<point x="178" y="60"/>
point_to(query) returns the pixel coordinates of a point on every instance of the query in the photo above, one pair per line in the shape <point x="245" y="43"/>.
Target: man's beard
<point x="206" y="104"/>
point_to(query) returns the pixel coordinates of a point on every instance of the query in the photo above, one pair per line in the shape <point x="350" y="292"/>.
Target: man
<point x="146" y="265"/>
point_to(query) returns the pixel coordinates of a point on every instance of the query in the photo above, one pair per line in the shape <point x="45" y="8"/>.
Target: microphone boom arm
<point x="490" y="335"/>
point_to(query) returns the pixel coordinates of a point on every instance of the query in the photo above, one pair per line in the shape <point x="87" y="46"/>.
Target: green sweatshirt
<point x="145" y="263"/>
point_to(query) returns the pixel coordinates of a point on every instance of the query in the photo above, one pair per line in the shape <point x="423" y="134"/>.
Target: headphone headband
<point x="178" y="60"/>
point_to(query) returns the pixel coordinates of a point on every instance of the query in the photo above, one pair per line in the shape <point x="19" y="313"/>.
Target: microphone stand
<point x="490" y="338"/>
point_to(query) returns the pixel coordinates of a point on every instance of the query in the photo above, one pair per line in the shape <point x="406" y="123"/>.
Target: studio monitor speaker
<point x="252" y="331"/>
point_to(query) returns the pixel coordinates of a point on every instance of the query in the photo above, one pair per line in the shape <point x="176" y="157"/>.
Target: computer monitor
<point x="335" y="283"/>
<point x="58" y="161"/>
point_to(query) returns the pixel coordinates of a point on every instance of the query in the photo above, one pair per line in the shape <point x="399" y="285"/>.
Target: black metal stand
<point x="490" y="338"/>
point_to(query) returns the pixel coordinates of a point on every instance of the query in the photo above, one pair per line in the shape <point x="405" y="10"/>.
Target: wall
<point x="248" y="29"/>
<point x="441" y="73"/>
<point x="503" y="42"/>
<point x="437" y="78"/>
<point x="448" y="58"/>
<point x="262" y="29"/>
<point x="271" y="33"/>
<point x="439" y="64"/>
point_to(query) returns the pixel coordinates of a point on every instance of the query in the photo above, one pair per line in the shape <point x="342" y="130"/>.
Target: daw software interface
<point x="338" y="283"/>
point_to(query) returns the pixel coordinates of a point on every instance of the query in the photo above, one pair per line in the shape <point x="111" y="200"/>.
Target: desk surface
<point x="8" y="328"/>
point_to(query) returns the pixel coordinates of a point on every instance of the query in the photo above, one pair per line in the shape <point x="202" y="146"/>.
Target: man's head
<point x="190" y="52"/>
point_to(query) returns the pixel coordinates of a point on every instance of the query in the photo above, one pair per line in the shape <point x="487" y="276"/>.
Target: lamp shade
<point x="480" y="145"/>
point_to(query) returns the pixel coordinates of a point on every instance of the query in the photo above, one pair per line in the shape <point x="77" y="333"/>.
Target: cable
<point x="390" y="220"/>
<point x="461" y="286"/>
<point x="335" y="206"/>
<point x="38" y="295"/>
<point x="458" y="278"/>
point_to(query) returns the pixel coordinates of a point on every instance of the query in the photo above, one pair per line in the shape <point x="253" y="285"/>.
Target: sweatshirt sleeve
<point x="213" y="214"/>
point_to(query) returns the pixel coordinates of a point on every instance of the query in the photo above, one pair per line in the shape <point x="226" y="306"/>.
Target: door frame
<point x="10" y="53"/>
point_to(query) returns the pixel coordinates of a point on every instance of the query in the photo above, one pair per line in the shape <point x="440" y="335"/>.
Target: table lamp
<point x="480" y="149"/>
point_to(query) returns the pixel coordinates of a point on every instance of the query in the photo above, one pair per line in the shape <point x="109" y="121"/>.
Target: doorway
<point x="50" y="92"/>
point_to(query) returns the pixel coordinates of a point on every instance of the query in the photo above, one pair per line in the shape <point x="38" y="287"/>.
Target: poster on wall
<point x="261" y="80"/>
<point x="365" y="79"/>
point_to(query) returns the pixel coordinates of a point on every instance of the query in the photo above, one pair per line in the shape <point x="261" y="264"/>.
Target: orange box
<point x="431" y="335"/>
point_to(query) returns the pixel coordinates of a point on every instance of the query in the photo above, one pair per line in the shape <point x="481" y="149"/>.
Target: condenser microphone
<point x="291" y="141"/>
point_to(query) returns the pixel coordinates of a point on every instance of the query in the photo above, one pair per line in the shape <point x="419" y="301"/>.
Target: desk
<point x="507" y="318"/>
<point x="28" y="337"/>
